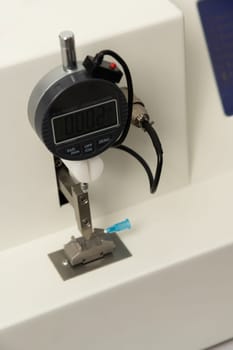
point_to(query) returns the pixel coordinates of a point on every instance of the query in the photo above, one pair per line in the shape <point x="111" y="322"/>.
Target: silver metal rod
<point x="68" y="53"/>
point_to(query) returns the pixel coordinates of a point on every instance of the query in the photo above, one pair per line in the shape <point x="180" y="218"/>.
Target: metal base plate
<point x="67" y="271"/>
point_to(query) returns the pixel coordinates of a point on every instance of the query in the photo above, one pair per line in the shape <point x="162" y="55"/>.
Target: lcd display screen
<point x="85" y="121"/>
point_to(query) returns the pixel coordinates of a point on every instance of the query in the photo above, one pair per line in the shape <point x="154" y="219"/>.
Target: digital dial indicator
<point x="85" y="121"/>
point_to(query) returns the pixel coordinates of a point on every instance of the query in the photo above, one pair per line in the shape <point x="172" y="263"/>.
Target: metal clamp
<point x="92" y="245"/>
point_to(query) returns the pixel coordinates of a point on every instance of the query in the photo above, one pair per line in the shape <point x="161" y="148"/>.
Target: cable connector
<point x="139" y="112"/>
<point x="98" y="68"/>
<point x="141" y="119"/>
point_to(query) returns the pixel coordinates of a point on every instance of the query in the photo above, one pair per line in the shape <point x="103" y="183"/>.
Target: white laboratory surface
<point x="223" y="346"/>
<point x="176" y="290"/>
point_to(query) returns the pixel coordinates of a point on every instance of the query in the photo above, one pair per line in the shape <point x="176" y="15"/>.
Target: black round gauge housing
<point x="75" y="115"/>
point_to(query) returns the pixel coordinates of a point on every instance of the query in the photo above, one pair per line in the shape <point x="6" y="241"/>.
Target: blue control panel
<point x="217" y="21"/>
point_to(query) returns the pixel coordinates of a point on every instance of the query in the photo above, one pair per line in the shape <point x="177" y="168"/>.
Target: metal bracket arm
<point x="78" y="199"/>
<point x="94" y="243"/>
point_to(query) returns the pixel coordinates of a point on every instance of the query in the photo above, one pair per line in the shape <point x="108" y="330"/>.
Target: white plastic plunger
<point x="85" y="171"/>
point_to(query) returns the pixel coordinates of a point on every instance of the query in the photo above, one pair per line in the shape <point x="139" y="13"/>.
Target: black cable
<point x="141" y="160"/>
<point x="159" y="151"/>
<point x="154" y="181"/>
<point x="98" y="59"/>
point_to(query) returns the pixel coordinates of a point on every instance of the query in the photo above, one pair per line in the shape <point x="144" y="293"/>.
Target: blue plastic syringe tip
<point x="120" y="226"/>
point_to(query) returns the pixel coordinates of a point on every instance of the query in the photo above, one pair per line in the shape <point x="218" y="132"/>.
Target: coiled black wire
<point x="140" y="160"/>
<point x="146" y="125"/>
<point x="153" y="180"/>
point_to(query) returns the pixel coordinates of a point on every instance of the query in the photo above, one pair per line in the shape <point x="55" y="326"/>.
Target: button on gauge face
<point x="103" y="141"/>
<point x="73" y="150"/>
<point x="88" y="147"/>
